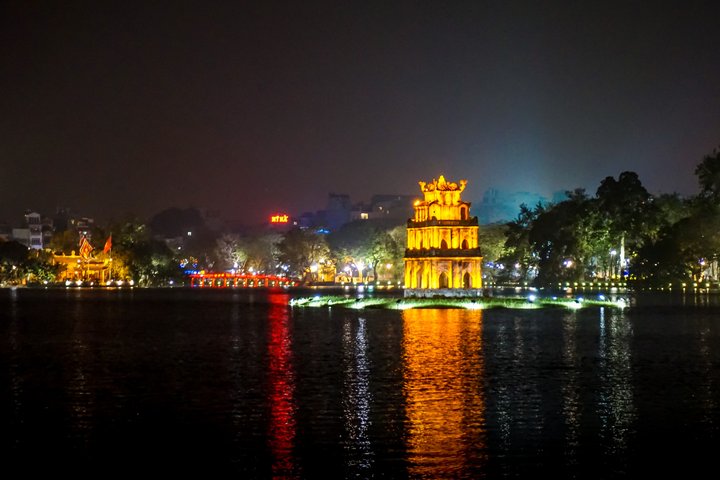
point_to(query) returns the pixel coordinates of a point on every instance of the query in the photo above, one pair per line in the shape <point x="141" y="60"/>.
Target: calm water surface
<point x="221" y="383"/>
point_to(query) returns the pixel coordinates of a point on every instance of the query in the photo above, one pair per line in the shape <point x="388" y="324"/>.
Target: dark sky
<point x="251" y="107"/>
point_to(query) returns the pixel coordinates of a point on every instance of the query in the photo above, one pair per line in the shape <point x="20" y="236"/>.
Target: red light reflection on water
<point x="281" y="379"/>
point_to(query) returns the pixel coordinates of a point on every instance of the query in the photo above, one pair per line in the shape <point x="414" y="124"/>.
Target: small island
<point x="474" y="303"/>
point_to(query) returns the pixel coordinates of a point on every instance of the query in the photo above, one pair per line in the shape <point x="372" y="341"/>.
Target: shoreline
<point x="467" y="303"/>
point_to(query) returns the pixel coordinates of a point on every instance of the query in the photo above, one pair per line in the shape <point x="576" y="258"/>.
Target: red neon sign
<point x="279" y="218"/>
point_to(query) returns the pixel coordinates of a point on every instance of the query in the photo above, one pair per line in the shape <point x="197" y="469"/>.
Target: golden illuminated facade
<point x="77" y="268"/>
<point x="442" y="243"/>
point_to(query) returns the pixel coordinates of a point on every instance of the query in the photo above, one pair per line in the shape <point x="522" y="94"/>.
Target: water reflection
<point x="707" y="398"/>
<point x="616" y="408"/>
<point x="245" y="352"/>
<point x="14" y="368"/>
<point x="501" y="390"/>
<point x="356" y="399"/>
<point x="519" y="390"/>
<point x="571" y="402"/>
<point x="80" y="394"/>
<point x="281" y="379"/>
<point x="443" y="387"/>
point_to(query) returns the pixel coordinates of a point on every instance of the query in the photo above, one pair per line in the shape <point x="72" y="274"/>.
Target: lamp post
<point x="613" y="252"/>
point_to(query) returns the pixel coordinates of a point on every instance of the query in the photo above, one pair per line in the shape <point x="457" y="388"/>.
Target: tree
<point x="630" y="212"/>
<point x="64" y="242"/>
<point x="682" y="251"/>
<point x="21" y="265"/>
<point x="40" y="268"/>
<point x="382" y="250"/>
<point x="561" y="242"/>
<point x="153" y="263"/>
<point x="300" y="250"/>
<point x="262" y="252"/>
<point x="556" y="238"/>
<point x="396" y="259"/>
<point x="140" y="257"/>
<point x="491" y="239"/>
<point x="708" y="173"/>
<point x="517" y="243"/>
<point x="231" y="252"/>
<point x="671" y="209"/>
<point x="363" y="244"/>
<point x="13" y="257"/>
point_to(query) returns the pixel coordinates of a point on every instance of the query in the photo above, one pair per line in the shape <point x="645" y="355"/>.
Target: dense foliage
<point x="622" y="233"/>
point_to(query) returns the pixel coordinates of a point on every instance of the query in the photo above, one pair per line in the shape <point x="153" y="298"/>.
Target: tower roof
<point x="442" y="185"/>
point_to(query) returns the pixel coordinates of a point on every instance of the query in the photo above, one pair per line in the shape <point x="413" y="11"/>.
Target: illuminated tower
<point x="442" y="255"/>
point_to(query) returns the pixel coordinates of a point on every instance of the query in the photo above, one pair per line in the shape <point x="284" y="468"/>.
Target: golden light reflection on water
<point x="443" y="388"/>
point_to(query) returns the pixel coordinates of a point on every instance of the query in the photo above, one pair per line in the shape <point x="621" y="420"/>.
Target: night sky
<point x="252" y="107"/>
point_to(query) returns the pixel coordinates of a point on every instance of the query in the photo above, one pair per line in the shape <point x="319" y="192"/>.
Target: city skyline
<point x="249" y="109"/>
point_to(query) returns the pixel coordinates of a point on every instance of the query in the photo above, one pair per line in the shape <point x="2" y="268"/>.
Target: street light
<point x="360" y="266"/>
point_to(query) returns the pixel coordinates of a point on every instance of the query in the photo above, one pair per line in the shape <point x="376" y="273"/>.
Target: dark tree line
<point x="621" y="233"/>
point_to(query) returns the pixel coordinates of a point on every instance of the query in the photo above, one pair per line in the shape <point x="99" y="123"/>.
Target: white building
<point x="31" y="236"/>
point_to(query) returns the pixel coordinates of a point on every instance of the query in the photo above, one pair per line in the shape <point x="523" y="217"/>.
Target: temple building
<point x="442" y="255"/>
<point x="84" y="267"/>
<point x="77" y="268"/>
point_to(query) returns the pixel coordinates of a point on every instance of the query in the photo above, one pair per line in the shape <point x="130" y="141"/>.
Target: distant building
<point x="61" y="220"/>
<point x="5" y="232"/>
<point x="83" y="226"/>
<point x="338" y="210"/>
<point x="442" y="255"/>
<point x="307" y="220"/>
<point x="360" y="211"/>
<point x="30" y="234"/>
<point x="48" y="229"/>
<point x="399" y="207"/>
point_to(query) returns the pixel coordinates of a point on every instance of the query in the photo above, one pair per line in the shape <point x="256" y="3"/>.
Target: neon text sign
<point x="279" y="218"/>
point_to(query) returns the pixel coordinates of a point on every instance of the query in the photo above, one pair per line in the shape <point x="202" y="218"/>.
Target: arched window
<point x="467" y="280"/>
<point x="443" y="244"/>
<point x="443" y="280"/>
<point x="465" y="245"/>
<point x="463" y="213"/>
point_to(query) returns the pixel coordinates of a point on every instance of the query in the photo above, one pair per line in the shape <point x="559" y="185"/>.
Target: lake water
<point x="220" y="383"/>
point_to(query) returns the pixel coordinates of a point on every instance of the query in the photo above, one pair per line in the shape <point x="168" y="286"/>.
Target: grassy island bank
<point x="478" y="303"/>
